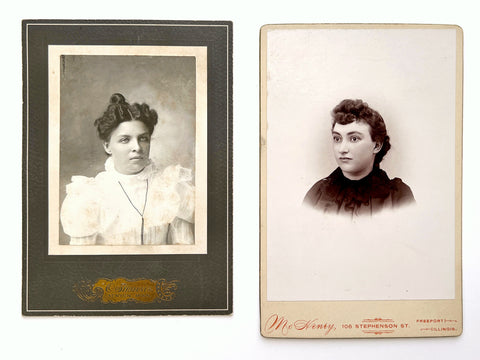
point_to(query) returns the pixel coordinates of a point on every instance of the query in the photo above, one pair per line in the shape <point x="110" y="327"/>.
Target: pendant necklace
<point x="138" y="211"/>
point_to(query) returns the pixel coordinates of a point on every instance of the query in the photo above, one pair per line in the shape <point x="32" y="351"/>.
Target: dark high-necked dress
<point x="337" y="194"/>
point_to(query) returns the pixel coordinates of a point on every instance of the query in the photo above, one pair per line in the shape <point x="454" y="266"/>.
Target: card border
<point x="226" y="145"/>
<point x="200" y="53"/>
<point x="269" y="308"/>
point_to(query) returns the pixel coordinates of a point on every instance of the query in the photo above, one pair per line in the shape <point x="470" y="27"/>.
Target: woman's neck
<point x="360" y="175"/>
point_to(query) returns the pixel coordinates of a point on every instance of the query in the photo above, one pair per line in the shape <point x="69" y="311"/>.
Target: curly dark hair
<point x="119" y="111"/>
<point x="350" y="110"/>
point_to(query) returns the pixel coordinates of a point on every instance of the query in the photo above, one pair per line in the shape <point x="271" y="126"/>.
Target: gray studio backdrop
<point x="165" y="83"/>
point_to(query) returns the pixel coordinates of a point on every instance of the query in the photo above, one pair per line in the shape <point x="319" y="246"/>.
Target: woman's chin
<point x="137" y="170"/>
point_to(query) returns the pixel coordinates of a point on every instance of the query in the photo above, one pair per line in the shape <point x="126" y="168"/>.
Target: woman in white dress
<point x="131" y="202"/>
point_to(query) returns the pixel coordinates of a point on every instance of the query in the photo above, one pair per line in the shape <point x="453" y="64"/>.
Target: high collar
<point x="375" y="185"/>
<point x="375" y="175"/>
<point x="142" y="175"/>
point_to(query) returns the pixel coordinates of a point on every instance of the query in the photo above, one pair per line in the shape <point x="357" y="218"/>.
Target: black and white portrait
<point x="127" y="140"/>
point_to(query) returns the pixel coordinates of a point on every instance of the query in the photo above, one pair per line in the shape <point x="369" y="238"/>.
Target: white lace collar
<point x="142" y="175"/>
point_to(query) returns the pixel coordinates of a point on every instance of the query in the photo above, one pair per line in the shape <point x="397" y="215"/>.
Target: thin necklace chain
<point x="138" y="211"/>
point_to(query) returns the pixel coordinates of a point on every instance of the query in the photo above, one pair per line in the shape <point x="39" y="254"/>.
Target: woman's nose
<point x="135" y="145"/>
<point x="343" y="148"/>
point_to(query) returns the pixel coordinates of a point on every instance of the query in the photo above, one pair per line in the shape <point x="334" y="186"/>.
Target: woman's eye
<point x="354" y="139"/>
<point x="123" y="140"/>
<point x="336" y="139"/>
<point x="144" y="139"/>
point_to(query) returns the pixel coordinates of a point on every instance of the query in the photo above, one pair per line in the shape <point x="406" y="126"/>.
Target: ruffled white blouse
<point x="108" y="209"/>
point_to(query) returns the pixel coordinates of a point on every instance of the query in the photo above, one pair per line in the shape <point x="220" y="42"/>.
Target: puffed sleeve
<point x="173" y="203"/>
<point x="179" y="179"/>
<point x="181" y="229"/>
<point x="181" y="232"/>
<point x="80" y="213"/>
<point x="186" y="191"/>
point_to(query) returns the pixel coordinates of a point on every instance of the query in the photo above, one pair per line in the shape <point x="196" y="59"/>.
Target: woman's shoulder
<point x="89" y="186"/>
<point x="324" y="190"/>
<point x="326" y="183"/>
<point x="401" y="192"/>
<point x="398" y="183"/>
<point x="172" y="175"/>
<point x="81" y="184"/>
<point x="80" y="208"/>
<point x="171" y="194"/>
<point x="321" y="186"/>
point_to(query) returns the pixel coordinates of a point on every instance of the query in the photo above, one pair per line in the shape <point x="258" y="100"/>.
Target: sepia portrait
<point x="358" y="186"/>
<point x="359" y="164"/>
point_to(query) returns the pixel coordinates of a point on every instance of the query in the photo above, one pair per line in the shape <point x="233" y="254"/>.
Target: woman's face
<point x="129" y="146"/>
<point x="354" y="149"/>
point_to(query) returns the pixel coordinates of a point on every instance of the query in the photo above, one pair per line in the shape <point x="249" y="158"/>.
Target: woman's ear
<point x="377" y="148"/>
<point x="106" y="146"/>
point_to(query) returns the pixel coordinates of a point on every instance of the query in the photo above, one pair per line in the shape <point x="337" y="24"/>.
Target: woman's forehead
<point x="353" y="127"/>
<point x="132" y="128"/>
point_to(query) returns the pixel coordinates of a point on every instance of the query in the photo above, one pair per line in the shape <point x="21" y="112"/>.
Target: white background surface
<point x="236" y="336"/>
<point x="408" y="76"/>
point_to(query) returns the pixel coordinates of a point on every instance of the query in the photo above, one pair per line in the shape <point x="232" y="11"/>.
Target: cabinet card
<point x="361" y="161"/>
<point x="121" y="213"/>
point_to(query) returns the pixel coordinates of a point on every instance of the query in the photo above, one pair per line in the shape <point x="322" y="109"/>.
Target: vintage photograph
<point x="358" y="186"/>
<point x="131" y="136"/>
<point x="121" y="214"/>
<point x="360" y="169"/>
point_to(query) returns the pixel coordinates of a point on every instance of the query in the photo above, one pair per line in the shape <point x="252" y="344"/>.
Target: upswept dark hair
<point x="119" y="111"/>
<point x="350" y="110"/>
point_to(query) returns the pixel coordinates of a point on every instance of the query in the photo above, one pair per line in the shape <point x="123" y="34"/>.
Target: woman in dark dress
<point x="358" y="186"/>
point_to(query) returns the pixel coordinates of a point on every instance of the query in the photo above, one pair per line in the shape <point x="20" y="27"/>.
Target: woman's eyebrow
<point x="349" y="133"/>
<point x="129" y="135"/>
<point x="354" y="133"/>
